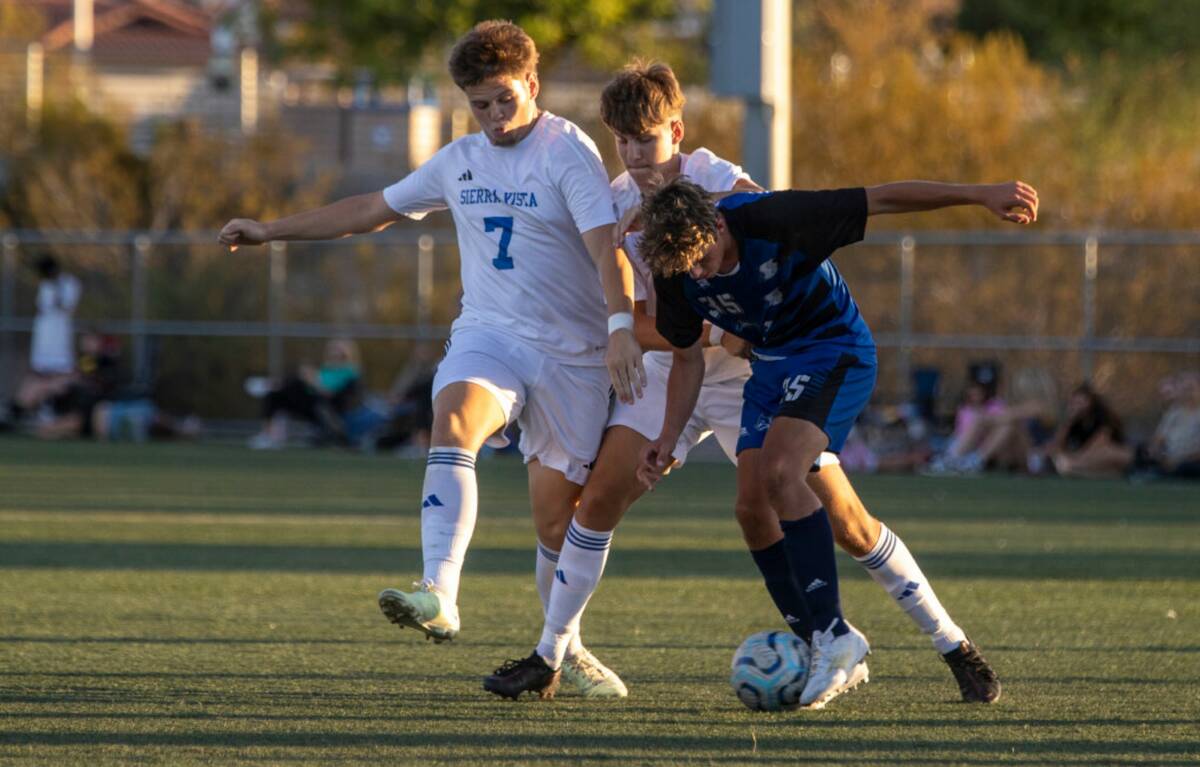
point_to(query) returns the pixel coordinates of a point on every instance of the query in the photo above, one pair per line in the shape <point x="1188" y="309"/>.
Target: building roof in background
<point x="148" y="33"/>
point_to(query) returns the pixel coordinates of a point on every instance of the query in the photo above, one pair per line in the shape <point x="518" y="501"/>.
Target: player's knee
<point x="756" y="518"/>
<point x="602" y="506"/>
<point x="552" y="532"/>
<point x="780" y="476"/>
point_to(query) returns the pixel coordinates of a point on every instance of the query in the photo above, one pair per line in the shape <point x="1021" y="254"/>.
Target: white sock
<point x="547" y="563"/>
<point x="575" y="580"/>
<point x="449" y="502"/>
<point x="892" y="566"/>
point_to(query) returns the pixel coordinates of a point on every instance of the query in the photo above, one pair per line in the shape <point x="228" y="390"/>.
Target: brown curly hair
<point x="640" y="97"/>
<point x="492" y="48"/>
<point x="679" y="222"/>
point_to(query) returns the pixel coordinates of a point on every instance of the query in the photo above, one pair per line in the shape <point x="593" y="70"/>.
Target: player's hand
<point x="656" y="461"/>
<point x="242" y="231"/>
<point x="1014" y="201"/>
<point x="735" y="346"/>
<point x="624" y="361"/>
<point x="631" y="221"/>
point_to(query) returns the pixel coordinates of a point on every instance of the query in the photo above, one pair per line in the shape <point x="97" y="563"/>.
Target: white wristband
<point x="714" y="335"/>
<point x="620" y="321"/>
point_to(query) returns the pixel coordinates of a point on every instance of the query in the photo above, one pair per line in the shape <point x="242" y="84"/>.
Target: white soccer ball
<point x="770" y="669"/>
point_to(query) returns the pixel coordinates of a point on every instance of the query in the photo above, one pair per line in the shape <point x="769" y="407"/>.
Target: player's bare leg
<point x="838" y="649"/>
<point x="889" y="563"/>
<point x="464" y="415"/>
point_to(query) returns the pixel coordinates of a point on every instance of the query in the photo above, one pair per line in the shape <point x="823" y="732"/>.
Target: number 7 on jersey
<point x="505" y="225"/>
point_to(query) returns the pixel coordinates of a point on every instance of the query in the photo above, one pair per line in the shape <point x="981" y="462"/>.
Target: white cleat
<point x="424" y="610"/>
<point x="591" y="677"/>
<point x="838" y="665"/>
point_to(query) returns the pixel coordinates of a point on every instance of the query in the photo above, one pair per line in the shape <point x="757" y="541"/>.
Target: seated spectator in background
<point x="993" y="434"/>
<point x="95" y="405"/>
<point x="321" y="396"/>
<point x="1174" y="450"/>
<point x="410" y="418"/>
<point x="1091" y="441"/>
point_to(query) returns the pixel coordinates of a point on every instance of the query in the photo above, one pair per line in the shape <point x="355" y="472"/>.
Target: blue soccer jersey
<point x="784" y="295"/>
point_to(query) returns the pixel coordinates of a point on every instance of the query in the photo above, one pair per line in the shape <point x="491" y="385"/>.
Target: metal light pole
<point x="752" y="60"/>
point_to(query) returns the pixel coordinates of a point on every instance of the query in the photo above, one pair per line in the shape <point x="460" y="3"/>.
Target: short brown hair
<point x="679" y="222"/>
<point x="640" y="97"/>
<point x="492" y="48"/>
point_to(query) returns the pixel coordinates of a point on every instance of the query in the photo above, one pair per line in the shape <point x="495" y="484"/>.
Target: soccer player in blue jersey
<point x="757" y="265"/>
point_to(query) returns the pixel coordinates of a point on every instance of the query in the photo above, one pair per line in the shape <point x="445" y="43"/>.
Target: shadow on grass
<point x="628" y="562"/>
<point x="801" y="744"/>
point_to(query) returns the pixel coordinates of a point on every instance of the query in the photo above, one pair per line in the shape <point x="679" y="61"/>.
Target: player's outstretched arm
<point x="1013" y="201"/>
<point x="683" y="389"/>
<point x="624" y="355"/>
<point x="351" y="215"/>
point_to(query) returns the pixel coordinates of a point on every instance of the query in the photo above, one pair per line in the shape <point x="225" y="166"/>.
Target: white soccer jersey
<point x="714" y="175"/>
<point x="519" y="212"/>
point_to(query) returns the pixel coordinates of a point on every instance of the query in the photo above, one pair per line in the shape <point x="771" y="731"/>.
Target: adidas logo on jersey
<point x="816" y="584"/>
<point x="466" y="176"/>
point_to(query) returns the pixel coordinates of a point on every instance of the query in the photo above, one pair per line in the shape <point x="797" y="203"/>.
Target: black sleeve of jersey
<point x="814" y="223"/>
<point x="675" y="319"/>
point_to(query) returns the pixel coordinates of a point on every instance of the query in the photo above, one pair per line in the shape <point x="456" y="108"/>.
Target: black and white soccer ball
<point x="770" y="670"/>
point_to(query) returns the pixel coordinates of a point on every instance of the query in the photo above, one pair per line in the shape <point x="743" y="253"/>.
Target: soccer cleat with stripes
<point x="977" y="681"/>
<point x="424" y="610"/>
<point x="838" y="665"/>
<point x="591" y="677"/>
<point x="530" y="674"/>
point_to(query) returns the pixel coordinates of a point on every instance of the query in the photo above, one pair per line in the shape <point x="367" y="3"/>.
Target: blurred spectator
<point x="53" y="349"/>
<point x="1090" y="442"/>
<point x="887" y="439"/>
<point x="1174" y="450"/>
<point x="94" y="405"/>
<point x="321" y="396"/>
<point x="993" y="434"/>
<point x="411" y="417"/>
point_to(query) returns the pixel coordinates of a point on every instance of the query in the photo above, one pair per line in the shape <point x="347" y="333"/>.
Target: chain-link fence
<point x="1119" y="308"/>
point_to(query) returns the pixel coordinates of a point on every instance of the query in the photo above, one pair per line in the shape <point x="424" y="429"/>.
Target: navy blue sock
<point x="809" y="546"/>
<point x="789" y="600"/>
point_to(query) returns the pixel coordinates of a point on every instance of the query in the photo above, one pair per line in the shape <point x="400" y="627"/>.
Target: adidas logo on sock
<point x="558" y="575"/>
<point x="790" y="619"/>
<point x="816" y="584"/>
<point x="432" y="500"/>
<point x="466" y="176"/>
<point x="910" y="588"/>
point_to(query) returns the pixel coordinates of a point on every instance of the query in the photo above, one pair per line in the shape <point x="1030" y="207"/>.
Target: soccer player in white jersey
<point x="534" y="217"/>
<point x="642" y="107"/>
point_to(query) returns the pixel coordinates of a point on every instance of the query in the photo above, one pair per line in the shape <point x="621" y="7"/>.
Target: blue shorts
<point x="827" y="386"/>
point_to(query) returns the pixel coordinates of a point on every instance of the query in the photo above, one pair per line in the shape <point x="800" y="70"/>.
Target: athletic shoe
<point x="835" y="665"/>
<point x="593" y="678"/>
<point x="977" y="681"/>
<point x="524" y="675"/>
<point x="424" y="610"/>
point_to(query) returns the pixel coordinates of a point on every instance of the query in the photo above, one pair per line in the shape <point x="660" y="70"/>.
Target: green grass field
<point x="203" y="604"/>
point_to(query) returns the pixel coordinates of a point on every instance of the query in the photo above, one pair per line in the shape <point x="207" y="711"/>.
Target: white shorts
<point x="718" y="412"/>
<point x="561" y="408"/>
